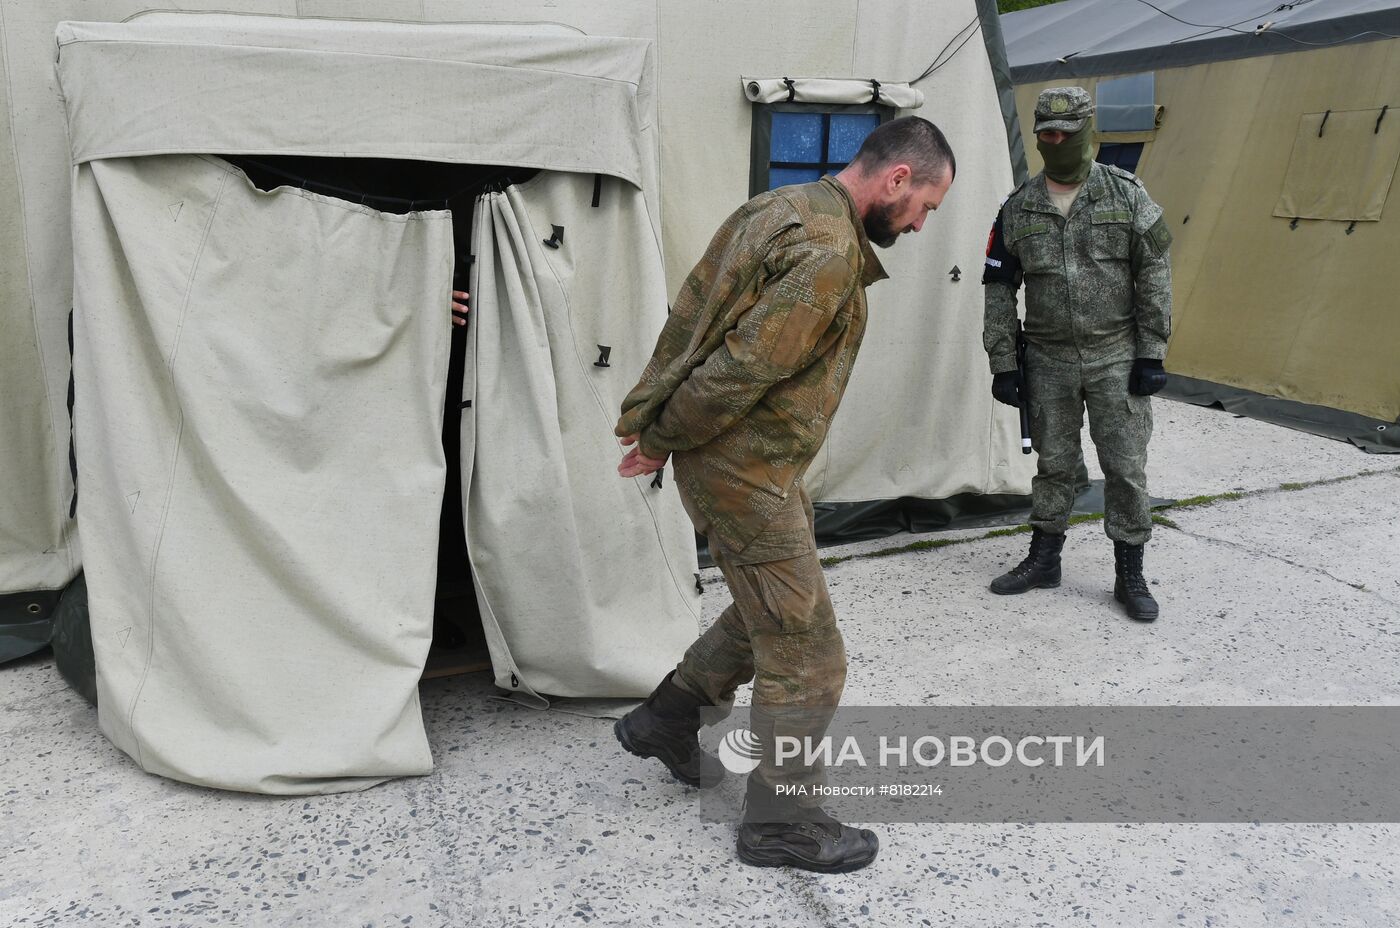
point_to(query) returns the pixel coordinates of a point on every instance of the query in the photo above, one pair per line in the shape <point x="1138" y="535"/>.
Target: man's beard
<point x="879" y="225"/>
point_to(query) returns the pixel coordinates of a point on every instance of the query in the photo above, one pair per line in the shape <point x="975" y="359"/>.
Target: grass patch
<point x="1192" y="502"/>
<point x="1292" y="486"/>
<point x="1163" y="520"/>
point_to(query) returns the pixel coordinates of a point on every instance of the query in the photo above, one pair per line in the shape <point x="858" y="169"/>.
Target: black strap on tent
<point x="72" y="447"/>
<point x="1377" y="130"/>
<point x="699" y="587"/>
<point x="659" y="478"/>
<point x="1351" y="228"/>
<point x="556" y="239"/>
<point x="465" y="404"/>
<point x="792" y="89"/>
<point x="1294" y="224"/>
<point x="1323" y="125"/>
<point x="597" y="189"/>
<point x="604" y="352"/>
<point x="875" y="90"/>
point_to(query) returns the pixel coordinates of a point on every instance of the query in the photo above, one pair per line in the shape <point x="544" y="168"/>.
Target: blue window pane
<point x="781" y="177"/>
<point x="848" y="130"/>
<point x="797" y="137"/>
<point x="1121" y="154"/>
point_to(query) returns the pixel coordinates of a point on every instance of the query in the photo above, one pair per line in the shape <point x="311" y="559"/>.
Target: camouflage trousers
<point x="780" y="632"/>
<point x="1121" y="426"/>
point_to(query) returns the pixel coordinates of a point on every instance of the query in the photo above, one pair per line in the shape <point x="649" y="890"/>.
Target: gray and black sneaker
<point x="780" y="833"/>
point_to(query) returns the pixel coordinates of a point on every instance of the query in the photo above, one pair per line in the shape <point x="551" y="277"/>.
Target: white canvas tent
<point x="206" y="500"/>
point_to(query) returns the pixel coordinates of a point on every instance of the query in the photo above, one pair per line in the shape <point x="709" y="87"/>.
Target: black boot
<point x="665" y="727"/>
<point x="1040" y="569"/>
<point x="1130" y="588"/>
<point x="777" y="832"/>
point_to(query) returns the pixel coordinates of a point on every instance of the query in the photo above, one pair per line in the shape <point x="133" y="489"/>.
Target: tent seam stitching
<point x="63" y="530"/>
<point x="170" y="484"/>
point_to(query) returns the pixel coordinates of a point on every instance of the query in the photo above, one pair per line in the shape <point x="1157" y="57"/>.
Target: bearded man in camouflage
<point x="1092" y="250"/>
<point x="739" y="394"/>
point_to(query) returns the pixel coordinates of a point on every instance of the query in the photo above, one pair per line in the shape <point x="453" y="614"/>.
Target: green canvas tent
<point x="1271" y="140"/>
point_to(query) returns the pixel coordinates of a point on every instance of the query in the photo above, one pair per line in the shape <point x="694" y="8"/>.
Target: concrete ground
<point x="1285" y="596"/>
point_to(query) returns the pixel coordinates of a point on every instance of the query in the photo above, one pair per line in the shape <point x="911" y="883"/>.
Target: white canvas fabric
<point x="386" y="90"/>
<point x="259" y="402"/>
<point x="586" y="581"/>
<point x="943" y="436"/>
<point x="825" y="90"/>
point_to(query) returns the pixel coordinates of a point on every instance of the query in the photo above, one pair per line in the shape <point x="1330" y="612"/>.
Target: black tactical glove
<point x="1147" y="378"/>
<point x="1006" y="387"/>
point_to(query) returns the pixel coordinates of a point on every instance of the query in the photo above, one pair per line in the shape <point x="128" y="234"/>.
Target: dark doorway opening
<point x="401" y="186"/>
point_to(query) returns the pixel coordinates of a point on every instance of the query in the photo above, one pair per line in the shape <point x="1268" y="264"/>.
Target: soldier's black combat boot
<point x="665" y="727"/>
<point x="1040" y="569"/>
<point x="777" y="832"/>
<point x="1129" y="587"/>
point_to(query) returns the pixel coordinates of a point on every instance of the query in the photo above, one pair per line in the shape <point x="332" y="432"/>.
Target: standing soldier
<point x="1091" y="247"/>
<point x="740" y="391"/>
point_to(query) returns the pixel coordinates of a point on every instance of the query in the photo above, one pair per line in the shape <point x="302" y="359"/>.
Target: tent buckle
<point x="557" y="239"/>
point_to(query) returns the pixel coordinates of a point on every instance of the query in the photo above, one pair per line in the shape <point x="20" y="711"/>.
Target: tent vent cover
<point x="1343" y="173"/>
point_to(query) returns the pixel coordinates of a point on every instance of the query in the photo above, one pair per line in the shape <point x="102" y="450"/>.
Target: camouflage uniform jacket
<point x="755" y="356"/>
<point x="1097" y="283"/>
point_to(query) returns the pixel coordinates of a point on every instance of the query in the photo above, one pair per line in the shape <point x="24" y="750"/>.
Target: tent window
<point x="1127" y="104"/>
<point x="1341" y="166"/>
<point x="1120" y="154"/>
<point x="795" y="143"/>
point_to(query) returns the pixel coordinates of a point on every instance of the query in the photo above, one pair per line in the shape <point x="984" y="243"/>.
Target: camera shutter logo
<point x="740" y="751"/>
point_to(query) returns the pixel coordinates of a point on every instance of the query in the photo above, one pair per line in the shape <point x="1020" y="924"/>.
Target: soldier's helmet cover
<point x="1063" y="108"/>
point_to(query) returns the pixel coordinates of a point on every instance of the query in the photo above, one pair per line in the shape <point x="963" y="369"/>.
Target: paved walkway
<point x="1289" y="594"/>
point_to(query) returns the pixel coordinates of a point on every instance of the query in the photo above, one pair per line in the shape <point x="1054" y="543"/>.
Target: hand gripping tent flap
<point x="258" y="355"/>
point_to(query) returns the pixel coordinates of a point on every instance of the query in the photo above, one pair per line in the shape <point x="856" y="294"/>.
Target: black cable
<point x="938" y="60"/>
<point x="1282" y="35"/>
<point x="1247" y="19"/>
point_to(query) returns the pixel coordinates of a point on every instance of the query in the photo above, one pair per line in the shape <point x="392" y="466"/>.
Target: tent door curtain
<point x="259" y="401"/>
<point x="585" y="580"/>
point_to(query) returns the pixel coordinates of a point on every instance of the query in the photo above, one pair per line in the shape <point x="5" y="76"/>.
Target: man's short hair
<point x="911" y="140"/>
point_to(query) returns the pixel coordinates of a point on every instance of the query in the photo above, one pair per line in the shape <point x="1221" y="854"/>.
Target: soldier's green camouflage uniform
<point x="741" y="388"/>
<point x="1098" y="295"/>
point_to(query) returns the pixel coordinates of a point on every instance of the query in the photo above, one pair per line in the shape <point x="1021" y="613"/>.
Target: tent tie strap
<point x="699" y="587"/>
<point x="792" y="89"/>
<point x="557" y="238"/>
<point x="1323" y="124"/>
<point x="1377" y="130"/>
<point x="465" y="404"/>
<point x="1294" y="224"/>
<point x="659" y="479"/>
<point x="72" y="438"/>
<point x="1351" y="228"/>
<point x="874" y="91"/>
<point x="597" y="189"/>
<point x="604" y="352"/>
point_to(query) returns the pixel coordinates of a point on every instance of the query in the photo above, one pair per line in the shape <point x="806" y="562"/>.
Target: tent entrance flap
<point x="258" y="417"/>
<point x="585" y="580"/>
<point x="397" y="186"/>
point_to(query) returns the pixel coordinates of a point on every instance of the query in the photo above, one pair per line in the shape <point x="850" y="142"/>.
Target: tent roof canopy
<point x="183" y="83"/>
<point x="1082" y="38"/>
